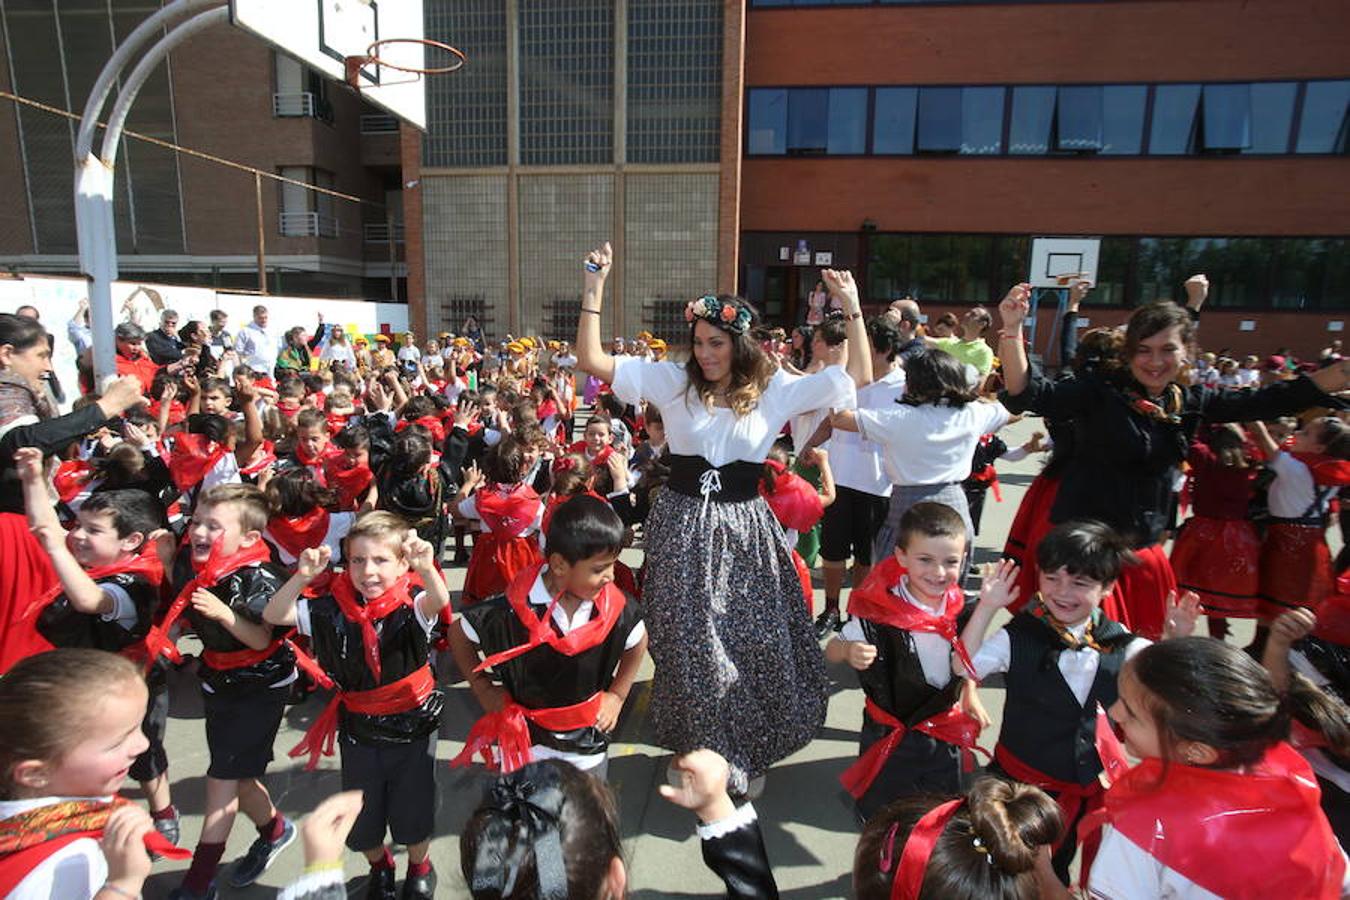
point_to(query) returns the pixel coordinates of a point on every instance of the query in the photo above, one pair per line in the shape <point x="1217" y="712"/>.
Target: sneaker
<point x="420" y="887"/>
<point x="827" y="622"/>
<point x="182" y="893"/>
<point x="381" y="885"/>
<point x="171" y="829"/>
<point x="252" y="864"/>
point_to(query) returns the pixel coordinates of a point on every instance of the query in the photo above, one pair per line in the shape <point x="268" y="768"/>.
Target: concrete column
<point x="512" y="165"/>
<point x="615" y="301"/>
<point x="729" y="186"/>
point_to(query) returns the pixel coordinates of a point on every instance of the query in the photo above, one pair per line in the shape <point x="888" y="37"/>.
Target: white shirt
<point x="930" y="444"/>
<point x="1293" y="493"/>
<point x="1077" y="667"/>
<point x="1249" y="378"/>
<point x="409" y="354"/>
<point x="719" y="435"/>
<point x="540" y="598"/>
<point x="935" y="654"/>
<point x="339" y="353"/>
<point x="855" y="461"/>
<point x="75" y="872"/>
<point x="257" y="348"/>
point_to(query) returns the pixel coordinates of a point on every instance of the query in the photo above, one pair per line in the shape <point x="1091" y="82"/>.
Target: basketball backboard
<point x="1058" y="262"/>
<point x="323" y="33"/>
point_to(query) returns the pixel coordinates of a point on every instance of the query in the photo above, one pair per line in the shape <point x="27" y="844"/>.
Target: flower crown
<point x="727" y="315"/>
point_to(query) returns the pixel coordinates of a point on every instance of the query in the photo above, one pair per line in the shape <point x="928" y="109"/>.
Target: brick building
<point x="182" y="220"/>
<point x="924" y="143"/>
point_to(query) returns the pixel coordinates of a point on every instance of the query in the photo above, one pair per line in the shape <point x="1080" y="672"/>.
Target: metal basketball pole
<point x="95" y="231"/>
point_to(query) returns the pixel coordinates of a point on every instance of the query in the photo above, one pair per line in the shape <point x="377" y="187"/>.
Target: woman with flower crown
<point x="738" y="669"/>
<point x="1133" y="427"/>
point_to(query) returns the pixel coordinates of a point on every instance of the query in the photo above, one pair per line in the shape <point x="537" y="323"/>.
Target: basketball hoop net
<point x="372" y="55"/>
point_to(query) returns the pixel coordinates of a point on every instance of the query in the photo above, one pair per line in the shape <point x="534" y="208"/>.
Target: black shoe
<point x="840" y="622"/>
<point x="420" y="887"/>
<point x="827" y="622"/>
<point x="171" y="829"/>
<point x="260" y="855"/>
<point x="381" y="884"/>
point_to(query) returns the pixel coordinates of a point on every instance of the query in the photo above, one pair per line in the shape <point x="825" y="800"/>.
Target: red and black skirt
<point x="1295" y="567"/>
<point x="1219" y="559"/>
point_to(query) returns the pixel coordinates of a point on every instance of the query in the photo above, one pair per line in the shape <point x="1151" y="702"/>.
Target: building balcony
<point x="301" y="105"/>
<point x="307" y="224"/>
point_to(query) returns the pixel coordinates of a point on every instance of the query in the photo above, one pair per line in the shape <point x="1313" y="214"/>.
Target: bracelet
<point x="1005" y="336"/>
<point x="109" y="886"/>
<point x="594" y="312"/>
<point x="327" y="866"/>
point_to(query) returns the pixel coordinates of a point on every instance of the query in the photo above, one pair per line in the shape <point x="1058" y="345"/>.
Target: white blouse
<point x="719" y="435"/>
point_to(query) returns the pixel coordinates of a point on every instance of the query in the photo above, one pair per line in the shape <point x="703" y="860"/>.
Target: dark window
<point x="768" y="116"/>
<point x="566" y="82"/>
<point x="939" y="120"/>
<point x="847" y="131"/>
<point x="1173" y="131"/>
<point x="1272" y="116"/>
<point x="1033" y="117"/>
<point x="1123" y="118"/>
<point x="1322" y="128"/>
<point x="1113" y="272"/>
<point x="982" y="120"/>
<point x="1313" y="274"/>
<point x="1227" y="118"/>
<point x="893" y="120"/>
<point x="466" y="114"/>
<point x="674" y="80"/>
<point x="808" y="120"/>
<point x="1078" y="119"/>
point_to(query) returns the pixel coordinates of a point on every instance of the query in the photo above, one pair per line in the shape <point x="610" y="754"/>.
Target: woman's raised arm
<point x="591" y="356"/>
<point x="843" y="288"/>
<point x="1011" y="351"/>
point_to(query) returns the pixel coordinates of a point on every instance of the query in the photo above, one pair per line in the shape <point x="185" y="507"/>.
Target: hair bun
<point x="1013" y="821"/>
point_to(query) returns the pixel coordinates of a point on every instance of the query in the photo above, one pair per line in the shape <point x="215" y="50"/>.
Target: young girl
<point x="1220" y="806"/>
<point x="928" y="439"/>
<point x="796" y="504"/>
<point x="64" y="832"/>
<point x="509" y="514"/>
<point x="1217" y="552"/>
<point x="301" y="519"/>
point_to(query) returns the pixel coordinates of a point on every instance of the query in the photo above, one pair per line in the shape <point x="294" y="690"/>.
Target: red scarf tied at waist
<point x="407" y="693"/>
<point x="953" y="726"/>
<point x="989" y="475"/>
<point x="193" y="456"/>
<point x="216" y="567"/>
<point x="875" y="602"/>
<point x="508" y="730"/>
<point x="1070" y="796"/>
<point x="30" y="837"/>
<point x="296" y="534"/>
<point x="794" y="501"/>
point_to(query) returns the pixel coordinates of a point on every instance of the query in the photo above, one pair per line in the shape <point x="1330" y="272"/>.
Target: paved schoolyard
<point x="809" y="829"/>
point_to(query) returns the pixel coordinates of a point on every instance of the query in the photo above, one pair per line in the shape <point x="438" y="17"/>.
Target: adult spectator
<point x="474" y="333"/>
<point x="131" y="356"/>
<point x="77" y="329"/>
<point x="905" y="315"/>
<point x="196" y="338"/>
<point x="220" y="337"/>
<point x="163" y="344"/>
<point x="257" y="347"/>
<point x="27" y="419"/>
<point x="969" y="346"/>
<point x="338" y="352"/>
<point x="29" y="312"/>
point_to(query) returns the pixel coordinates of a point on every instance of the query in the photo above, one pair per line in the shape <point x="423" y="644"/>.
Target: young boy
<point x="598" y="442"/>
<point x="920" y="719"/>
<point x="1061" y="657"/>
<point x="564" y="642"/>
<point x="246" y="671"/>
<point x="111" y="577"/>
<point x="371" y="633"/>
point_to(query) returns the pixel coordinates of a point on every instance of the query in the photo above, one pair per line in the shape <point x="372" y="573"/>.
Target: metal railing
<point x="378" y="124"/>
<point x="286" y="105"/>
<point x="378" y="232"/>
<point x="307" y="224"/>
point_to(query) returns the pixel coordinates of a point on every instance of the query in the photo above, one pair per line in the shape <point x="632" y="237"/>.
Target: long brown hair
<point x="751" y="367"/>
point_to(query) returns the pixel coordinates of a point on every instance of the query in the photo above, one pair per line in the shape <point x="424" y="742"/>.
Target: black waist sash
<point x="734" y="482"/>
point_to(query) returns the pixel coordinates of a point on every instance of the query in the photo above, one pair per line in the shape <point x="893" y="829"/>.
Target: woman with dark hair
<point x="1133" y="426"/>
<point x="738" y="669"/>
<point x="196" y="338"/>
<point x="28" y="420"/>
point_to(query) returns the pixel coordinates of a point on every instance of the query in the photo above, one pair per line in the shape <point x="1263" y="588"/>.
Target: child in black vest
<point x="1061" y="657"/>
<point x="565" y="644"/>
<point x="920" y="719"/>
<point x="370" y="629"/>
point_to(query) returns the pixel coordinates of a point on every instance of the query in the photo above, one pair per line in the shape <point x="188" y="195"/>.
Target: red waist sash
<point x="1071" y="797"/>
<point x="952" y="726"/>
<point x="508" y="729"/>
<point x="408" y="693"/>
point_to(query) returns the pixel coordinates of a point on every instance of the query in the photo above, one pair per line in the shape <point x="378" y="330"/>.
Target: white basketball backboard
<point x="323" y="33"/>
<point x="1057" y="262"/>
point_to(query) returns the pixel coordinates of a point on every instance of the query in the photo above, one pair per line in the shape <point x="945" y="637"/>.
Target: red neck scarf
<point x="30" y="837"/>
<point x="367" y="612"/>
<point x="349" y="481"/>
<point x="193" y="456"/>
<point x="794" y="501"/>
<point x="144" y="563"/>
<point x="1326" y="471"/>
<point x="328" y="452"/>
<point x="875" y="602"/>
<point x="509" y="511"/>
<point x="212" y="571"/>
<point x="177" y="412"/>
<point x="295" y="534"/>
<point x="264" y="456"/>
<point x="609" y="604"/>
<point x="71" y="477"/>
<point x="1249" y="834"/>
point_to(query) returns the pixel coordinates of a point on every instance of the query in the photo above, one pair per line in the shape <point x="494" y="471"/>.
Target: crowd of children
<point x="281" y="532"/>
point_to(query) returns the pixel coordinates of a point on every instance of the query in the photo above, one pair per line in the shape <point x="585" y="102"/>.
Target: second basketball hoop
<point x="452" y="58"/>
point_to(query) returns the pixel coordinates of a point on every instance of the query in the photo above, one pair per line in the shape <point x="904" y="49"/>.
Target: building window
<point x="304" y="212"/>
<point x="466" y="112"/>
<point x="893" y="119"/>
<point x="939" y="120"/>
<point x="1123" y="107"/>
<point x="767" y="118"/>
<point x="1078" y="119"/>
<point x="1033" y="119"/>
<point x="674" y="81"/>
<point x="1322" y="128"/>
<point x="1272" y="116"/>
<point x="807" y="121"/>
<point x="1173" y="131"/>
<point x="1226" y="119"/>
<point x="566" y="82"/>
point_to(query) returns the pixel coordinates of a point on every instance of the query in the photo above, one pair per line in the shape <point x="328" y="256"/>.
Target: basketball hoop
<point x="356" y="63"/>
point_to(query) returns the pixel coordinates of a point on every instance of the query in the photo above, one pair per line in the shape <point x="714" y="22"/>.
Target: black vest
<point x="404" y="648"/>
<point x="246" y="591"/>
<point x="895" y="680"/>
<point x="65" y="626"/>
<point x="543" y="678"/>
<point x="1043" y="724"/>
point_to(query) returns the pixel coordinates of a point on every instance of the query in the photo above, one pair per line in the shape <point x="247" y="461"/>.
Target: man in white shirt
<point x="258" y="347"/>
